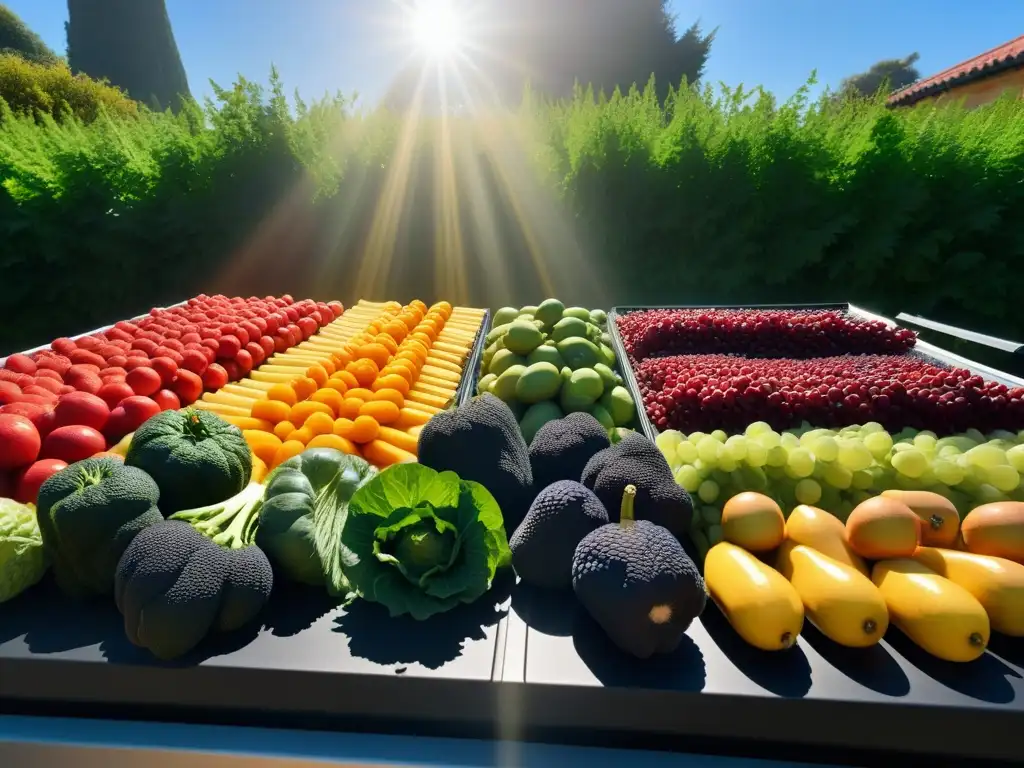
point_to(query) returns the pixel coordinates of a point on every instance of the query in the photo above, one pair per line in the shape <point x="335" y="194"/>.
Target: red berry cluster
<point x="707" y="392"/>
<point x="797" y="334"/>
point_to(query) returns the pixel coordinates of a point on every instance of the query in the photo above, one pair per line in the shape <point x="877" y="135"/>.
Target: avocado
<point x="586" y="383"/>
<point x="636" y="581"/>
<point x="608" y="376"/>
<point x="572" y="403"/>
<point x="544" y="543"/>
<point x="505" y="386"/>
<point x="540" y="381"/>
<point x="580" y="312"/>
<point x="528" y="310"/>
<point x="484" y="385"/>
<point x="598" y="317"/>
<point x="504" y="359"/>
<point x="579" y="353"/>
<point x="523" y="337"/>
<point x="600" y="413"/>
<point x="546" y="354"/>
<point x="561" y="448"/>
<point x="619" y="404"/>
<point x="606" y="339"/>
<point x="497" y="332"/>
<point x="568" y="327"/>
<point x="504" y="315"/>
<point x="607" y="355"/>
<point x="536" y="416"/>
<point x="549" y="311"/>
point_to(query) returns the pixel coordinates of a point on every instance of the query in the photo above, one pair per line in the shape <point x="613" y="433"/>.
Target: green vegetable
<point x="421" y="542"/>
<point x="230" y="523"/>
<point x="195" y="457"/>
<point x="88" y="515"/>
<point x="304" y="510"/>
<point x="22" y="559"/>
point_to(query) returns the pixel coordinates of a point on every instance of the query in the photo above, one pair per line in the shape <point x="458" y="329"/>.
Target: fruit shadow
<point x="874" y="668"/>
<point x="784" y="673"/>
<point x="293" y="608"/>
<point x="49" y="622"/>
<point x="548" y="611"/>
<point x="1009" y="649"/>
<point x="681" y="670"/>
<point x="377" y="637"/>
<point x="984" y="679"/>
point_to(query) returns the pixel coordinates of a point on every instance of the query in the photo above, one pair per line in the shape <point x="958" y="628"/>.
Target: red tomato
<point x="130" y="414"/>
<point x="167" y="400"/>
<point x="113" y="392"/>
<point x="9" y="392"/>
<point x="308" y="326"/>
<point x="336" y="307"/>
<point x="83" y="409"/>
<point x="214" y="377"/>
<point x="194" y="360"/>
<point x="29" y="481"/>
<point x="50" y="385"/>
<point x="233" y="369"/>
<point x="63" y="346"/>
<point x="21" y="364"/>
<point x="255" y="352"/>
<point x="229" y="346"/>
<point x="19" y="441"/>
<point x="87" y="343"/>
<point x="244" y="361"/>
<point x="188" y="386"/>
<point x="146" y="345"/>
<point x="73" y="443"/>
<point x="58" y="363"/>
<point x="80" y="356"/>
<point x="144" y="381"/>
<point x="48" y="373"/>
<point x="165" y="368"/>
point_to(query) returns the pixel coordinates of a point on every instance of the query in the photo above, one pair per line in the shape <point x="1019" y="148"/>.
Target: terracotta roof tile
<point x="1006" y="56"/>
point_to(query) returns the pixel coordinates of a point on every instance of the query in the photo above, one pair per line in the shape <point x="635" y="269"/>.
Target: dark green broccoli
<point x="481" y="442"/>
<point x="88" y="514"/>
<point x="195" y="573"/>
<point x="635" y="580"/>
<point x="561" y="448"/>
<point x="636" y="461"/>
<point x="543" y="544"/>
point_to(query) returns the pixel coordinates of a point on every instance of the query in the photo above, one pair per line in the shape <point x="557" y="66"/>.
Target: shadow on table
<point x="784" y="673"/>
<point x="983" y="679"/>
<point x="1010" y="649"/>
<point x="375" y="636"/>
<point x="551" y="612"/>
<point x="293" y="608"/>
<point x="49" y="622"/>
<point x="681" y="670"/>
<point x="874" y="667"/>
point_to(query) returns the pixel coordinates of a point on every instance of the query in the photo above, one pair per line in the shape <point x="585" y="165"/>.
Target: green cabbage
<point x="421" y="542"/>
<point x="22" y="561"/>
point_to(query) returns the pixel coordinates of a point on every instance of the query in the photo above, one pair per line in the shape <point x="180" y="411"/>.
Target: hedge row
<point x="722" y="197"/>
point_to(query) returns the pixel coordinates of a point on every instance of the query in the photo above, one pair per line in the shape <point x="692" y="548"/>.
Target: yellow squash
<point x="817" y="529"/>
<point x="997" y="583"/>
<point x="838" y="599"/>
<point x="758" y="602"/>
<point x="941" y="617"/>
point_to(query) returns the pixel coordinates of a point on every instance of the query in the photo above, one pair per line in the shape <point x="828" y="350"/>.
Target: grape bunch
<point x="838" y="469"/>
<point x="702" y="392"/>
<point x="758" y="333"/>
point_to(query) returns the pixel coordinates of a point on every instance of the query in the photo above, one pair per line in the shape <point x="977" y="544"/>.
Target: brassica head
<point x="22" y="558"/>
<point x="421" y="542"/>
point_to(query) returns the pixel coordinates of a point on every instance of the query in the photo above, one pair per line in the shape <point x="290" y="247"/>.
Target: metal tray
<point x="921" y="348"/>
<point x="471" y="373"/>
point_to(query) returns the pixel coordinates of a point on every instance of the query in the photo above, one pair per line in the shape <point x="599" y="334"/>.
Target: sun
<point x="437" y="28"/>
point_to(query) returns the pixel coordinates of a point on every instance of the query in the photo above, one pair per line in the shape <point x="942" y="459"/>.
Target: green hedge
<point x="50" y="89"/>
<point x="706" y="199"/>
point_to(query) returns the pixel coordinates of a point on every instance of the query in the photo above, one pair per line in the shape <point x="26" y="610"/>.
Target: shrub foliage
<point x="40" y="89"/>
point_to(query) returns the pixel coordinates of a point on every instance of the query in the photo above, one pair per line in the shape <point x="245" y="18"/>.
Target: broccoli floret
<point x="636" y="461"/>
<point x="481" y="442"/>
<point x="561" y="448"/>
<point x="544" y="543"/>
<point x="192" y="574"/>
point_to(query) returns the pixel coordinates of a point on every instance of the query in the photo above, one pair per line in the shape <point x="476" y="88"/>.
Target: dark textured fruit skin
<point x="636" y="460"/>
<point x="88" y="514"/>
<point x="544" y="543"/>
<point x="620" y="573"/>
<point x="191" y="472"/>
<point x="481" y="442"/>
<point x="174" y="586"/>
<point x="561" y="448"/>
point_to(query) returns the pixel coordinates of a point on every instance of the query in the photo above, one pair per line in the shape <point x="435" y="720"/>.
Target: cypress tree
<point x="131" y="44"/>
<point x="17" y="38"/>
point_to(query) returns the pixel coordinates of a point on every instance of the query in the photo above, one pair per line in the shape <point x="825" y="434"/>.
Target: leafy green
<point x="420" y="541"/>
<point x="305" y="506"/>
<point x="22" y="559"/>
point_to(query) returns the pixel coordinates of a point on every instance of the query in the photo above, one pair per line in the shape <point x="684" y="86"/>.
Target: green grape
<point x="808" y="437"/>
<point x="1015" y="457"/>
<point x="789" y="441"/>
<point x="714" y="535"/>
<point x="688" y="477"/>
<point x="708" y="491"/>
<point x="697" y="521"/>
<point x="853" y="455"/>
<point x="837" y="476"/>
<point x="906" y="434"/>
<point x="975" y="435"/>
<point x="736" y="447"/>
<point x="757" y="428"/>
<point x="777" y="456"/>
<point x="769" y="439"/>
<point x="726" y="463"/>
<point x="986" y="456"/>
<point x="709" y="449"/>
<point x="749" y="478"/>
<point x="667" y="442"/>
<point x="825" y="448"/>
<point x="1004" y="477"/>
<point x="859" y="497"/>
<point x="986" y="494"/>
<point x="719" y="435"/>
<point x="948" y="450"/>
<point x="800" y="462"/>
<point x="711" y="515"/>
<point x="878" y="443"/>
<point x="696" y="437"/>
<point x="925" y="442"/>
<point x="911" y="463"/>
<point x="870" y="428"/>
<point x="862" y="480"/>
<point x="947" y="472"/>
<point x="1002" y="434"/>
<point x="686" y="452"/>
<point x="808" y="492"/>
<point x="757" y="454"/>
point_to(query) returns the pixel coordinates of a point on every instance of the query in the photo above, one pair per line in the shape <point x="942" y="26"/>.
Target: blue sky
<point x="326" y="45"/>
